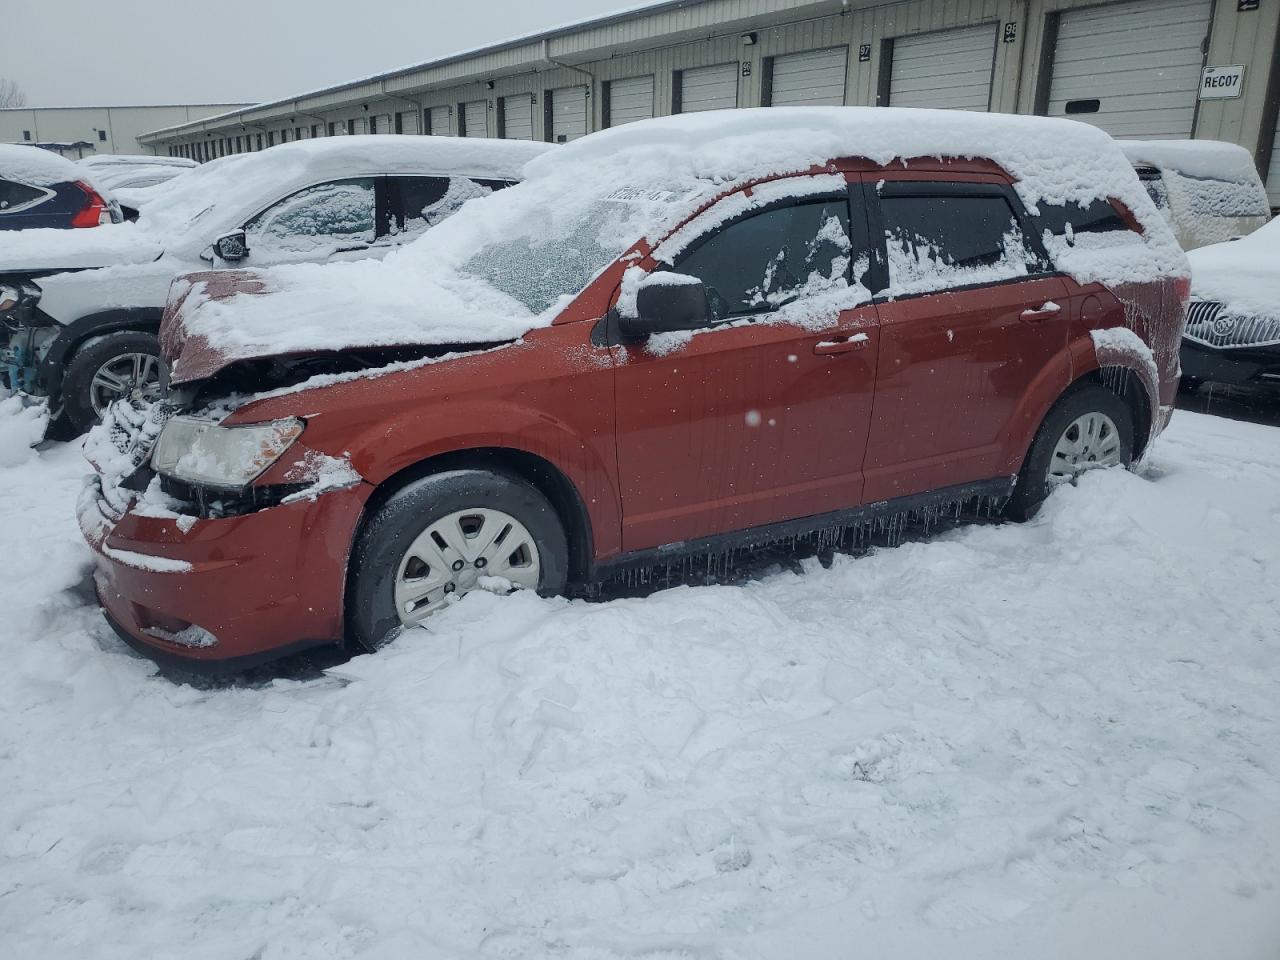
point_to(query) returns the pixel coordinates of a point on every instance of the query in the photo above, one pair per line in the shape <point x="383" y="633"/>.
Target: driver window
<point x="317" y="220"/>
<point x="773" y="257"/>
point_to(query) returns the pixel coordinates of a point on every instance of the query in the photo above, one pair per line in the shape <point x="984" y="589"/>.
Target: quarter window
<point x="772" y="258"/>
<point x="317" y="219"/>
<point x="426" y="201"/>
<point x="939" y="242"/>
<point x="15" y="195"/>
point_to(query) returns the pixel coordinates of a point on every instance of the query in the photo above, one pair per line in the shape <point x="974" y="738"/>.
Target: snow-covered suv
<point x="80" y="313"/>
<point x="675" y="339"/>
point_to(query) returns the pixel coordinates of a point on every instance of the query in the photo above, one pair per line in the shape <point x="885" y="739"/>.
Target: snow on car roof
<point x="491" y="272"/>
<point x="126" y="159"/>
<point x="242" y="179"/>
<point x="1205" y="159"/>
<point x="40" y="168"/>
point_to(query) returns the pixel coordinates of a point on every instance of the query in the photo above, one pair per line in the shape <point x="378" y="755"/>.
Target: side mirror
<point x="232" y="248"/>
<point x="666" y="302"/>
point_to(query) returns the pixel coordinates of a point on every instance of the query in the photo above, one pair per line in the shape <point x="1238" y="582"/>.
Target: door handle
<point x="824" y="348"/>
<point x="1046" y="311"/>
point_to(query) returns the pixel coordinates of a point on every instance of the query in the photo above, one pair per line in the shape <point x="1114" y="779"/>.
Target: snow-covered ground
<point x="1054" y="740"/>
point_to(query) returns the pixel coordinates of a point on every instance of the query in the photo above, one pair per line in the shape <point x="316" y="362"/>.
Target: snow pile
<point x="509" y="262"/>
<point x="1243" y="275"/>
<point x="1069" y="750"/>
<point x="21" y="426"/>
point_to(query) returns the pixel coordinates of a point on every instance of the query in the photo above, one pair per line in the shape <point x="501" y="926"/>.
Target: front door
<point x="971" y="318"/>
<point x="763" y="415"/>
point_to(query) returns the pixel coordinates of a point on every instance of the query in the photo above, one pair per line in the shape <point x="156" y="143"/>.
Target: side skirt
<point x="828" y="530"/>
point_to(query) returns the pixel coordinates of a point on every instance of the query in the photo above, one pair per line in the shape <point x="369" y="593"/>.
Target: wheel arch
<point x="538" y="472"/>
<point x="53" y="367"/>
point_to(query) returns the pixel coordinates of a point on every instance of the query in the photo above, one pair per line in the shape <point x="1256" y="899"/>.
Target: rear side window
<point x="425" y="201"/>
<point x="1068" y="219"/>
<point x="940" y="242"/>
<point x="14" y="195"/>
<point x="769" y="259"/>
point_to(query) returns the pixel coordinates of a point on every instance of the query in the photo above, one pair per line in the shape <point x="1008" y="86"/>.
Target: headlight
<point x="9" y="296"/>
<point x="200" y="451"/>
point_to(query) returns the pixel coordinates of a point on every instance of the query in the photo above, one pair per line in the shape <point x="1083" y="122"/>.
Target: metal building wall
<point x="673" y="38"/>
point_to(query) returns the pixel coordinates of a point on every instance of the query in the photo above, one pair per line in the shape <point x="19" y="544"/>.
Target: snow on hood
<point x="43" y="249"/>
<point x="509" y="262"/>
<point x="233" y="188"/>
<point x="1243" y="275"/>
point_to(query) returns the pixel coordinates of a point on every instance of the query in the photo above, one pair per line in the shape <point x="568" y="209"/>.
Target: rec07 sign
<point x="1222" y="83"/>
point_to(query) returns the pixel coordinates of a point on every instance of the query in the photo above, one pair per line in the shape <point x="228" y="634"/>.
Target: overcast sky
<point x="82" y="53"/>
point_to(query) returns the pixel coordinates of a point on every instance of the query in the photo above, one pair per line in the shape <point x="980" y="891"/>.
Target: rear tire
<point x="1088" y="426"/>
<point x="106" y="368"/>
<point x="484" y="524"/>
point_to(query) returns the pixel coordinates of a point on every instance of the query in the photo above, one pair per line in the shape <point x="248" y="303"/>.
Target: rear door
<point x="763" y="416"/>
<point x="971" y="313"/>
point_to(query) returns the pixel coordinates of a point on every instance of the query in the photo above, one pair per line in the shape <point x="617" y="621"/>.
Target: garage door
<point x="476" y="121"/>
<point x="568" y="114"/>
<point x="440" y="122"/>
<point x="709" y="88"/>
<point x="517" y="117"/>
<point x="1273" y="170"/>
<point x="814" y="78"/>
<point x="630" y="99"/>
<point x="1132" y="69"/>
<point x="950" y="69"/>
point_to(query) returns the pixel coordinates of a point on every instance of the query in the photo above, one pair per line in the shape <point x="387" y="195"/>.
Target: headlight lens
<point x="9" y="296"/>
<point x="200" y="451"/>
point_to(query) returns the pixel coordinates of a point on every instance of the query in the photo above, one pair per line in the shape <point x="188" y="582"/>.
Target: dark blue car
<point x="41" y="189"/>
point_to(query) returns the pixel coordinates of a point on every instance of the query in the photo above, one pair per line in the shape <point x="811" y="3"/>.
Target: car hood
<point x="200" y="337"/>
<point x="215" y="319"/>
<point x="1243" y="275"/>
<point x="48" y="251"/>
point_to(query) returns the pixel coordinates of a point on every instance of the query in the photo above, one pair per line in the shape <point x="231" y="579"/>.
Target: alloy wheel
<point x="134" y="375"/>
<point x="475" y="548"/>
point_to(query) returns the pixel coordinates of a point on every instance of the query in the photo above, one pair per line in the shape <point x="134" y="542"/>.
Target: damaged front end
<point x="25" y="337"/>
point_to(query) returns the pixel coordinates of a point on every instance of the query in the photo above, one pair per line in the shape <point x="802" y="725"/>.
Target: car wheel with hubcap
<point x="106" y="369"/>
<point x="1089" y="428"/>
<point x="444" y="536"/>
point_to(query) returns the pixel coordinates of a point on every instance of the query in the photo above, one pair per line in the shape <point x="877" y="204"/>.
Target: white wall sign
<point x="1221" y="83"/>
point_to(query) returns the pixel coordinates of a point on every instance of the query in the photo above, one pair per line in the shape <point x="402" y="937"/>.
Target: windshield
<point x="540" y="251"/>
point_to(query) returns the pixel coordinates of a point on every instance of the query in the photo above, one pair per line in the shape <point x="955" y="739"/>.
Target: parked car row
<point x="83" y="314"/>
<point x="690" y="334"/>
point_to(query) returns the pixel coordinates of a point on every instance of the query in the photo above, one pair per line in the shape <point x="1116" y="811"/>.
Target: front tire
<point x="125" y="363"/>
<point x="445" y="534"/>
<point x="1088" y="428"/>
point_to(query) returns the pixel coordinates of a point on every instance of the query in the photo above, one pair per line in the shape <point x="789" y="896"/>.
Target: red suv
<point x="686" y="335"/>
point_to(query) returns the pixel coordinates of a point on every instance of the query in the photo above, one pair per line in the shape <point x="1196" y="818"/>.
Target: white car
<point x="1209" y="191"/>
<point x="81" y="314"/>
<point x="1233" y="320"/>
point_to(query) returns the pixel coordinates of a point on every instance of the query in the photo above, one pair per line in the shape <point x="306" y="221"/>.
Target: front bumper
<point x="222" y="595"/>
<point x="1238" y="366"/>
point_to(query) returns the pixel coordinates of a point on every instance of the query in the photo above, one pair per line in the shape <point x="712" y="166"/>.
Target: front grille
<point x="1209" y="324"/>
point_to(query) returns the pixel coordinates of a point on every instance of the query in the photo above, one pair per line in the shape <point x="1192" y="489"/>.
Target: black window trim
<point x="875" y="188"/>
<point x="788" y="201"/>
